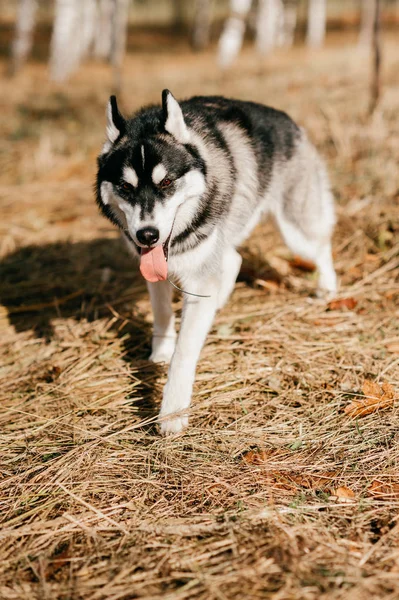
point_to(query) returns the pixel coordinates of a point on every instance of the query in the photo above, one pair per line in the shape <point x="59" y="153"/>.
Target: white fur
<point x="175" y="124"/>
<point x="106" y="192"/>
<point x="130" y="176"/>
<point x="164" y="334"/>
<point x="142" y="156"/>
<point x="298" y="197"/>
<point x="197" y="318"/>
<point x="176" y="209"/>
<point x="158" y="173"/>
<point x="112" y="131"/>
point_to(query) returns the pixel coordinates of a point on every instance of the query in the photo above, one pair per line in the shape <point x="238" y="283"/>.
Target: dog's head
<point x="148" y="168"/>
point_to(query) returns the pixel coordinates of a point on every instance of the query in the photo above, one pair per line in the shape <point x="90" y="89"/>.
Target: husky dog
<point x="186" y="183"/>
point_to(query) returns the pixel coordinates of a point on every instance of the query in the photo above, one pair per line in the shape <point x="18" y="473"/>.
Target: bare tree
<point x="317" y="16"/>
<point x="24" y="28"/>
<point x="119" y="36"/>
<point x="73" y="36"/>
<point x="289" y="22"/>
<point x="366" y="22"/>
<point x="269" y="25"/>
<point x="376" y="76"/>
<point x="103" y="33"/>
<point x="233" y="32"/>
<point x="202" y="24"/>
<point x="65" y="40"/>
<point x="178" y="15"/>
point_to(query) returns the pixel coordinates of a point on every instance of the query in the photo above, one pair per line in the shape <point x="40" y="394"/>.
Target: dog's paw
<point x="162" y="350"/>
<point x="173" y="425"/>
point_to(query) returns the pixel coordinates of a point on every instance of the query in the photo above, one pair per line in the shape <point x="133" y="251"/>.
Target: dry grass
<point x="273" y="491"/>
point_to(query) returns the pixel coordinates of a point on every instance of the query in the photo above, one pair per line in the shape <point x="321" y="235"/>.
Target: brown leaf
<point x="340" y="303"/>
<point x="384" y="491"/>
<point x="343" y="494"/>
<point x="259" y="457"/>
<point x="304" y="265"/>
<point x="376" y="398"/>
<point x="315" y="481"/>
<point x="393" y="347"/>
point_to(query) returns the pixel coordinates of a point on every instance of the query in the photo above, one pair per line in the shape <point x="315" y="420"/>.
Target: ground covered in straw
<point x="286" y="483"/>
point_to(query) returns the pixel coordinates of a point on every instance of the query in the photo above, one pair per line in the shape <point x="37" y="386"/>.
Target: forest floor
<point x="285" y="485"/>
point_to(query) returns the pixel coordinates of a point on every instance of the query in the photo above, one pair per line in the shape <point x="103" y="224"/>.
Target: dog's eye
<point x="165" y="183"/>
<point x="127" y="187"/>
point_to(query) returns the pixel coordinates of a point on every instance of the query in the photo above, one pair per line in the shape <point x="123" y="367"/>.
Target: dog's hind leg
<point x="197" y="317"/>
<point x="314" y="248"/>
<point x="230" y="268"/>
<point x="306" y="219"/>
<point x="164" y="333"/>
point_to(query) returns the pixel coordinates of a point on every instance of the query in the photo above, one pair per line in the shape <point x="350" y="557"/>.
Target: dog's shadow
<point x="83" y="280"/>
<point x="87" y="280"/>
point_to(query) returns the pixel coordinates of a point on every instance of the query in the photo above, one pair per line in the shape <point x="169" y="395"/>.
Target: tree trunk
<point x="269" y="25"/>
<point x="178" y="16"/>
<point x="119" y="35"/>
<point x="233" y="32"/>
<point x="103" y="34"/>
<point x="88" y="11"/>
<point x="289" y="24"/>
<point x="366" y="22"/>
<point x="22" y="43"/>
<point x="202" y="24"/>
<point x="317" y="15"/>
<point x="65" y="40"/>
<point x="376" y="77"/>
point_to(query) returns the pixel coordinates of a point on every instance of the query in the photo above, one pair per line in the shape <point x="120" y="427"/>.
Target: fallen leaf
<point x="343" y="494"/>
<point x="258" y="457"/>
<point x="268" y="285"/>
<point x="384" y="491"/>
<point x="304" y="265"/>
<point x="393" y="347"/>
<point x="315" y="481"/>
<point x="340" y="303"/>
<point x="376" y="397"/>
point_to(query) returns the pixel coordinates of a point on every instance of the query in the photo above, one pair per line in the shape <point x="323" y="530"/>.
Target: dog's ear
<point x="174" y="120"/>
<point x="116" y="124"/>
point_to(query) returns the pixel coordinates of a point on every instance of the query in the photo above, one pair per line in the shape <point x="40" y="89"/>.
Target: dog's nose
<point x="147" y="235"/>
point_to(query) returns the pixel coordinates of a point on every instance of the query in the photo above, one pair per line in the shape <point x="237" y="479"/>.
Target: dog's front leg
<point x="197" y="318"/>
<point x="164" y="334"/>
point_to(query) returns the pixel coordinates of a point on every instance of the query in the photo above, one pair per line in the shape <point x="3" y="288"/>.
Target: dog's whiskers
<point x="189" y="293"/>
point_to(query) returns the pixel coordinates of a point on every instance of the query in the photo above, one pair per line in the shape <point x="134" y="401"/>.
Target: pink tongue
<point x="153" y="265"/>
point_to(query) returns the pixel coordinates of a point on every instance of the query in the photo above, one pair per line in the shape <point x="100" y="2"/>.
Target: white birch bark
<point x="289" y="22"/>
<point x="22" y="43"/>
<point x="269" y="25"/>
<point x="317" y="16"/>
<point x="231" y="40"/>
<point x="88" y="16"/>
<point x="103" y="33"/>
<point x="119" y="36"/>
<point x="202" y="24"/>
<point x="65" y="41"/>
<point x="366" y="22"/>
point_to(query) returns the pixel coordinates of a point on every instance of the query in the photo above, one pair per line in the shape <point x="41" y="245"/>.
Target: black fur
<point x="271" y="132"/>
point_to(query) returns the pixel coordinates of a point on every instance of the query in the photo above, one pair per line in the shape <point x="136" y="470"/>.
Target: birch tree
<point x="270" y="21"/>
<point x="202" y="24"/>
<point x="317" y="16"/>
<point x="119" y="36"/>
<point x="103" y="32"/>
<point x="289" y="22"/>
<point x="366" y="22"/>
<point x="23" y="38"/>
<point x="65" y="40"/>
<point x="233" y="32"/>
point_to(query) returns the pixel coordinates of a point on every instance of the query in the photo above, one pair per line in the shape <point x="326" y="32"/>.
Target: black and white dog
<point x="186" y="183"/>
